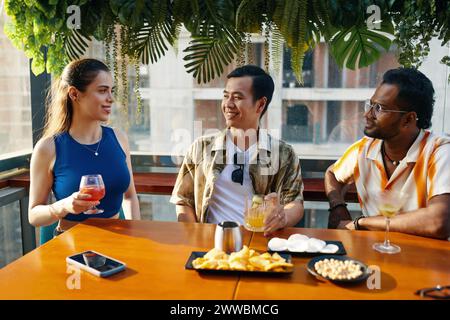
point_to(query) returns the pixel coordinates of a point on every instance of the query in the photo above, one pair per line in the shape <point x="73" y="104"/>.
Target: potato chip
<point x="266" y="255"/>
<point x="208" y="264"/>
<point x="253" y="253"/>
<point x="277" y="257"/>
<point x="236" y="265"/>
<point x="234" y="256"/>
<point x="251" y="268"/>
<point x="258" y="262"/>
<point x="215" y="254"/>
<point x="277" y="264"/>
<point x="223" y="265"/>
<point x="278" y="269"/>
<point x="197" y="262"/>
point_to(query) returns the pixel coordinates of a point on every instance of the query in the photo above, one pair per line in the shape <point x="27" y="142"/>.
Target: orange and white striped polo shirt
<point x="422" y="174"/>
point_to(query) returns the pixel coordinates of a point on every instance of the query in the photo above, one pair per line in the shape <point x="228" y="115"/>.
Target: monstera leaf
<point x="358" y="47"/>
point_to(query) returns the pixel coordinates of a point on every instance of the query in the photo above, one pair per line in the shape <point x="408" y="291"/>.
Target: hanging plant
<point x="417" y="24"/>
<point x="218" y="29"/>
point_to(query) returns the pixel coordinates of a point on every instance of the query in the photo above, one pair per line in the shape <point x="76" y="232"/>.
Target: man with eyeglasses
<point x="222" y="170"/>
<point x="397" y="155"/>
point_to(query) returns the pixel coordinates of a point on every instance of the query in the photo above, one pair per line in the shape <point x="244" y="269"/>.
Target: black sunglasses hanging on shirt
<point x="238" y="174"/>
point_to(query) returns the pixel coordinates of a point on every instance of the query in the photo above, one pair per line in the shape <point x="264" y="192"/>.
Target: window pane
<point x="316" y="213"/>
<point x="157" y="208"/>
<point x="289" y="80"/>
<point x="322" y="127"/>
<point x="321" y="71"/>
<point x="209" y="113"/>
<point x="15" y="107"/>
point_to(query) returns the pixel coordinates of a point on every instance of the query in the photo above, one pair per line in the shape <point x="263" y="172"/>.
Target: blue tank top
<point x="74" y="160"/>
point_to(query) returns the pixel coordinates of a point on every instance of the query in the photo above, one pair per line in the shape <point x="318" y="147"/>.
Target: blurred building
<point x="15" y="105"/>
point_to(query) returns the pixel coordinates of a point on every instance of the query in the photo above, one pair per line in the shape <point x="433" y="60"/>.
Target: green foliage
<point x="251" y="14"/>
<point x="291" y="18"/>
<point x="132" y="13"/>
<point x="36" y="25"/>
<point x="215" y="40"/>
<point x="209" y="54"/>
<point x="151" y="40"/>
<point x="416" y="24"/>
<point x="357" y="46"/>
<point x="218" y="29"/>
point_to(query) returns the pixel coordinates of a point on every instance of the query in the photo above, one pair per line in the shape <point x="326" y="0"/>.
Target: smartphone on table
<point x="96" y="263"/>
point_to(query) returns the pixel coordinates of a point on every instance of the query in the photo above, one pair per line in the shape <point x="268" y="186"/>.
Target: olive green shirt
<point x="275" y="168"/>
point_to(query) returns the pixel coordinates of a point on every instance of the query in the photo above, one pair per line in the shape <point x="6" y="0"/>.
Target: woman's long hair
<point x="79" y="74"/>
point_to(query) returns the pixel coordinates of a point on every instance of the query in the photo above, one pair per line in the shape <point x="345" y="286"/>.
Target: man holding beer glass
<point x="222" y="172"/>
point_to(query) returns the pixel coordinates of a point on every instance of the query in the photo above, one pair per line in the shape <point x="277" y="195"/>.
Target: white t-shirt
<point x="228" y="198"/>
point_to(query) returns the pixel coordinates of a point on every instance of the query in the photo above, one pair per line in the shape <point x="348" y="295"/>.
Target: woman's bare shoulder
<point x="120" y="134"/>
<point x="45" y="147"/>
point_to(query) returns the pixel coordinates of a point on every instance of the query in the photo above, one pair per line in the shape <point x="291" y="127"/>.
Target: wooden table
<point x="156" y="252"/>
<point x="422" y="263"/>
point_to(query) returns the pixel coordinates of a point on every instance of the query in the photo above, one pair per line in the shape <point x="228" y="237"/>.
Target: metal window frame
<point x="39" y="86"/>
<point x="10" y="195"/>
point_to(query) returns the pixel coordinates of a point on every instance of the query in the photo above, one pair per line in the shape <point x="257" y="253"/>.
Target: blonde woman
<point x="74" y="144"/>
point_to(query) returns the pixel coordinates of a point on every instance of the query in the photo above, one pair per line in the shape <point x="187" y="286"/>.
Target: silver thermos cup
<point x="228" y="237"/>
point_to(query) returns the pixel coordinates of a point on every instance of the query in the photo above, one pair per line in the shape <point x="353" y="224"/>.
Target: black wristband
<point x="337" y="205"/>
<point x="356" y="222"/>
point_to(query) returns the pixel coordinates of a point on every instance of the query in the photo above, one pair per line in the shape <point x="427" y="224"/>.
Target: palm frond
<point x="208" y="55"/>
<point x="183" y="9"/>
<point x="153" y="39"/>
<point x="176" y="27"/>
<point x="76" y="45"/>
<point x="151" y="42"/>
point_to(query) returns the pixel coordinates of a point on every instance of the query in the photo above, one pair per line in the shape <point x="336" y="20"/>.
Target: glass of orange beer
<point x="256" y="210"/>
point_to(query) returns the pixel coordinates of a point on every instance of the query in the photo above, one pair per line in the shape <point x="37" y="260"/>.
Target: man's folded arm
<point x="432" y="221"/>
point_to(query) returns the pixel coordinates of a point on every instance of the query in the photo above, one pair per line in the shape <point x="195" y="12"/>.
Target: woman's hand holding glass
<point x="78" y="203"/>
<point x="75" y="204"/>
<point x="93" y="186"/>
<point x="92" y="190"/>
